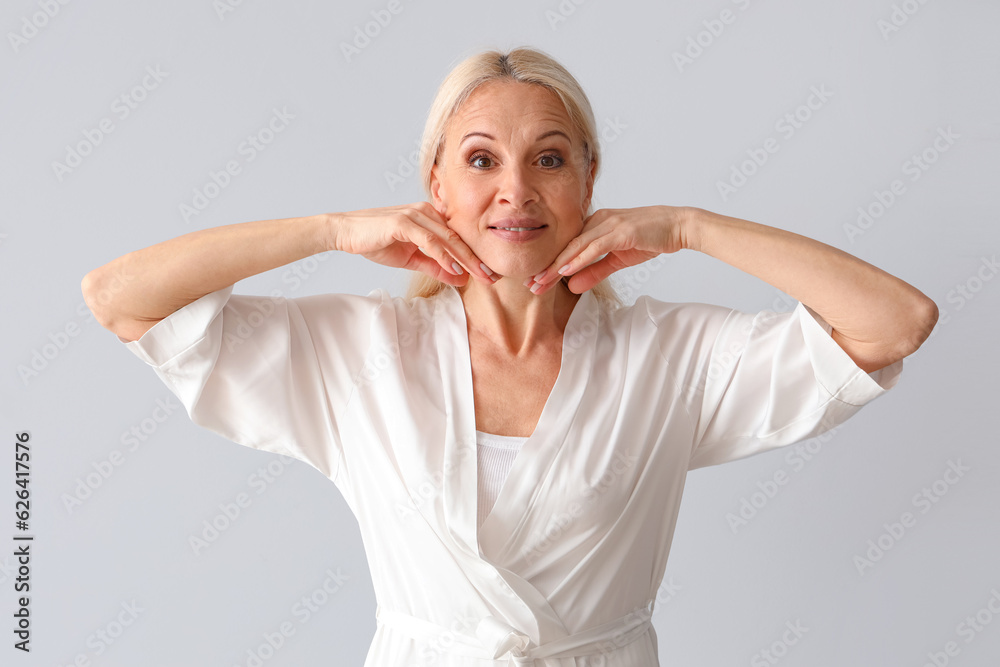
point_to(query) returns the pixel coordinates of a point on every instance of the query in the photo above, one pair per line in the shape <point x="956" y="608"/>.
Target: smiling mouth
<point x="518" y="229"/>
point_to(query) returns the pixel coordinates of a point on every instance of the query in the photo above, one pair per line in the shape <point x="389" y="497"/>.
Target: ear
<point x="590" y="184"/>
<point x="436" y="189"/>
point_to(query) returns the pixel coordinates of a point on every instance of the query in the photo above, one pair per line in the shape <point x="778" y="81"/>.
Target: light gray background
<point x="680" y="131"/>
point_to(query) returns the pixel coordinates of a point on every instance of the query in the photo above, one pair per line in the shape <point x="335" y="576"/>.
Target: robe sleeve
<point x="755" y="382"/>
<point x="271" y="373"/>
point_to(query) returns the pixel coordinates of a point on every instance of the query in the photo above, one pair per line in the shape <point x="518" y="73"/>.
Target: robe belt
<point x="496" y="640"/>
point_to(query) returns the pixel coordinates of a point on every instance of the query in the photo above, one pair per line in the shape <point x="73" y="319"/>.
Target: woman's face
<point x="512" y="158"/>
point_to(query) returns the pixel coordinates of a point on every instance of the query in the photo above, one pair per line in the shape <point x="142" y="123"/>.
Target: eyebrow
<point x="543" y="135"/>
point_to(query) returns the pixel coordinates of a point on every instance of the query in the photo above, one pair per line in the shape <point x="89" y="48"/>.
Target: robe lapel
<point x="519" y="600"/>
<point x="500" y="530"/>
<point x="459" y="448"/>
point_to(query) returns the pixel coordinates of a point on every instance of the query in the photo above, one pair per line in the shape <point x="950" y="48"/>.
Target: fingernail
<point x="458" y="269"/>
<point x="527" y="282"/>
<point x="563" y="270"/>
<point x="541" y="275"/>
<point x="485" y="269"/>
<point x="535" y="288"/>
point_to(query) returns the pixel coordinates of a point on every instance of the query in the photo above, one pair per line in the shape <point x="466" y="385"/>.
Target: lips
<point x="517" y="224"/>
<point x="513" y="236"/>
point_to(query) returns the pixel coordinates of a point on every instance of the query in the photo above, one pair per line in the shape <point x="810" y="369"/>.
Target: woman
<point x="512" y="439"/>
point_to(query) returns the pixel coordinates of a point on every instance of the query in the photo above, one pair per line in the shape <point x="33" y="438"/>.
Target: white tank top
<point x="496" y="456"/>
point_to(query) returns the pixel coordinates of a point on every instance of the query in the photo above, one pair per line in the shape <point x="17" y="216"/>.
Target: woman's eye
<point x="483" y="161"/>
<point x="477" y="161"/>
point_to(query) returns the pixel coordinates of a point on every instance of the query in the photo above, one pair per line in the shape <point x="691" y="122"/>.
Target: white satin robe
<point x="375" y="392"/>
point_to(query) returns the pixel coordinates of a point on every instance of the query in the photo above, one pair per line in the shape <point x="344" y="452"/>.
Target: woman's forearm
<point x="131" y="293"/>
<point x="876" y="318"/>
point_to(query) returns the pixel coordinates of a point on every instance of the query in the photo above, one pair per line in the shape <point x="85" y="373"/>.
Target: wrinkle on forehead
<point x="506" y="118"/>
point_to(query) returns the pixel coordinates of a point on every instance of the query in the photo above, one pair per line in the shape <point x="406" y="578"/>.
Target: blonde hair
<point x="523" y="65"/>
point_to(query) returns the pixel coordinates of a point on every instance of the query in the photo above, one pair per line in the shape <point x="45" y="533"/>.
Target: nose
<point x="517" y="186"/>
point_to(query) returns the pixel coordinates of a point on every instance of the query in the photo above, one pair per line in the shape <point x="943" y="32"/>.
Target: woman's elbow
<point x="90" y="286"/>
<point x="921" y="319"/>
<point x="924" y="319"/>
<point x="908" y="332"/>
<point x="99" y="298"/>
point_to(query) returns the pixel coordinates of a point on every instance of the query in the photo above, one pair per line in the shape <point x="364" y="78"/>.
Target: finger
<point x="579" y="253"/>
<point x="587" y="277"/>
<point x="419" y="230"/>
<point x="422" y="261"/>
<point x="594" y="226"/>
<point x="451" y="245"/>
<point x="468" y="259"/>
<point x="431" y="267"/>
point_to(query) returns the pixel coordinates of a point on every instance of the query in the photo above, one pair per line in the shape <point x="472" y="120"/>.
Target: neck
<point x="515" y="320"/>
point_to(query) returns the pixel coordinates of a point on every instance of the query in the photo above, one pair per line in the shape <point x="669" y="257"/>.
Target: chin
<point x="512" y="268"/>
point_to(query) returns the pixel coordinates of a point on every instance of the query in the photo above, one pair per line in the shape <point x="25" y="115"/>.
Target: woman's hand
<point x="627" y="236"/>
<point x="412" y="236"/>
